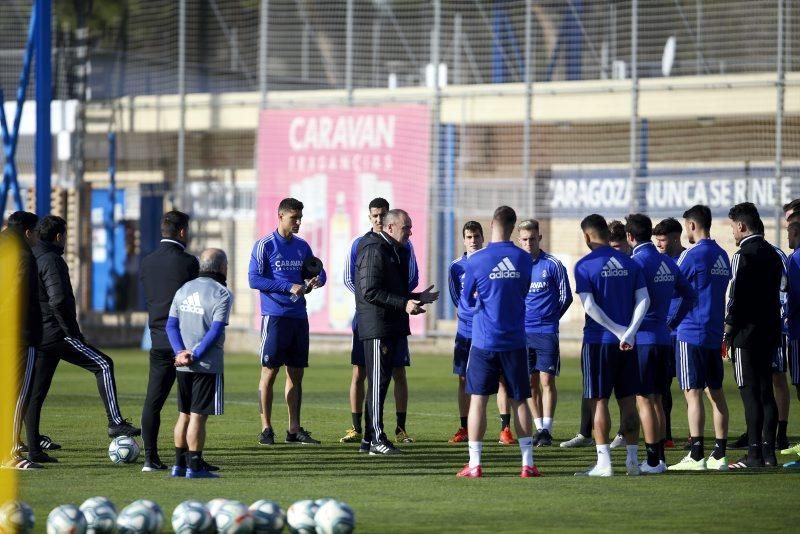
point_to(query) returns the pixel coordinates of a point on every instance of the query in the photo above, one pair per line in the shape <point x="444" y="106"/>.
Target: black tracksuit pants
<point x="77" y="353"/>
<point x="26" y="360"/>
<point x="378" y="355"/>
<point x="159" y="386"/>
<point x="753" y="373"/>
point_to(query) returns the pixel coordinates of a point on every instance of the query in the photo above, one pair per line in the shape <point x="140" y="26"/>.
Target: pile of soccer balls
<point x="98" y="515"/>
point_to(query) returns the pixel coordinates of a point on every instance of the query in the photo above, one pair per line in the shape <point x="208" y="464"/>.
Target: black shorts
<point x="200" y="393"/>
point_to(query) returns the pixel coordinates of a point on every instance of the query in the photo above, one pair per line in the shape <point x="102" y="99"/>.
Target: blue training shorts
<point x="605" y="368"/>
<point x="543" y="354"/>
<point x="698" y="367"/>
<point x="484" y="369"/>
<point x="400" y="357"/>
<point x="461" y="355"/>
<point x="284" y="341"/>
<point x="779" y="356"/>
<point x="653" y="368"/>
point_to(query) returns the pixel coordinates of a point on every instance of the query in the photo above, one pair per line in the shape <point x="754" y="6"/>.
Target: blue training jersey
<point x="793" y="295"/>
<point x="612" y="278"/>
<point x="549" y="295"/>
<point x="708" y="270"/>
<point x="675" y="302"/>
<point x="496" y="282"/>
<point x="664" y="279"/>
<point x="784" y="288"/>
<point x="275" y="265"/>
<point x="350" y="267"/>
<point x="456" y="283"/>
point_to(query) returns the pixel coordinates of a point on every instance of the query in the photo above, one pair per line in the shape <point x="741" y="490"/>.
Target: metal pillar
<point x="181" y="165"/>
<point x="348" y="74"/>
<point x="634" y="122"/>
<point x="530" y="181"/>
<point x="263" y="49"/>
<point x="44" y="72"/>
<point x="780" y="84"/>
<point x="439" y="273"/>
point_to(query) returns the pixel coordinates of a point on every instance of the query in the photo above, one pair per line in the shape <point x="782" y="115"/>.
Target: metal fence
<point x="559" y="108"/>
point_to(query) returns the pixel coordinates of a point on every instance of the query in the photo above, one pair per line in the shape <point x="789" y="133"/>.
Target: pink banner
<point x="335" y="160"/>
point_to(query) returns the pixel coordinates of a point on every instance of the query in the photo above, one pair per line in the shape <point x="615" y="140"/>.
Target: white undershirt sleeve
<point x="639" y="311"/>
<point x="595" y="312"/>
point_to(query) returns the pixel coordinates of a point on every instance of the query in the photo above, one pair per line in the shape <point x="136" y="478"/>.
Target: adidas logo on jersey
<point x="613" y="268"/>
<point x="664" y="274"/>
<point x="720" y="268"/>
<point x="504" y="269"/>
<point x="191" y="304"/>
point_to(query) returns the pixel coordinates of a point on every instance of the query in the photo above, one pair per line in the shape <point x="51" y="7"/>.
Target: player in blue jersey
<point x="378" y="208"/>
<point x="496" y="282"/>
<point x="664" y="279"/>
<point x="793" y="321"/>
<point x="667" y="236"/>
<point x="699" y="340"/>
<point x="549" y="297"/>
<point x="614" y="296"/>
<point x="276" y="271"/>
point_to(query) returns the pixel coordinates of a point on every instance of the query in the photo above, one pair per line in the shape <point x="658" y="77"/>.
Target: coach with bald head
<point x="383" y="305"/>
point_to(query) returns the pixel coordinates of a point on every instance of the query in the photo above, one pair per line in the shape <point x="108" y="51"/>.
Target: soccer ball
<point x="66" y="519"/>
<point x="140" y="517"/>
<point x="214" y="505"/>
<point x="100" y="514"/>
<point x="300" y="517"/>
<point x="123" y="450"/>
<point x="233" y="517"/>
<point x="16" y="516"/>
<point x="268" y="518"/>
<point x="335" y="517"/>
<point x="192" y="517"/>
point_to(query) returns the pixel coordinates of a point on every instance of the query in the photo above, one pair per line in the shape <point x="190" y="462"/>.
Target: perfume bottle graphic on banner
<point x="341" y="304"/>
<point x="312" y="191"/>
<point x="370" y="186"/>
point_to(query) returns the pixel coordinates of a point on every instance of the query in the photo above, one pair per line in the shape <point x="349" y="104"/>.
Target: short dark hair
<point x="668" y="226"/>
<point x="473" y="226"/>
<point x="616" y="231"/>
<point x="290" y="204"/>
<point x="746" y="213"/>
<point x="22" y="221"/>
<point x="700" y="214"/>
<point x="794" y="216"/>
<point x="506" y="217"/>
<point x="794" y="225"/>
<point x="379" y="203"/>
<point x="791" y="206"/>
<point x="50" y="226"/>
<point x="597" y="224"/>
<point x="639" y="226"/>
<point x="172" y="223"/>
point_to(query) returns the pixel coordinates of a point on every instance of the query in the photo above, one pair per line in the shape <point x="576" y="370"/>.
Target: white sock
<point x="547" y="423"/>
<point x="538" y="423"/>
<point x="633" y="455"/>
<point x="603" y="455"/>
<point x="526" y="448"/>
<point x="475" y="449"/>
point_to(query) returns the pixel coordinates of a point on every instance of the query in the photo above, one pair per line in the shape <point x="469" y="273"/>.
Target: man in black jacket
<point x="383" y="304"/>
<point x="162" y="273"/>
<point x="753" y="331"/>
<point x="15" y="242"/>
<point x="62" y="338"/>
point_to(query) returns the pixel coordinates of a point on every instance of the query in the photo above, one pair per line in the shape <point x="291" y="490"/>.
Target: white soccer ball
<point x="192" y="517"/>
<point x="214" y="505"/>
<point x="100" y="514"/>
<point x="335" y="517"/>
<point x="123" y="450"/>
<point x="140" y="517"/>
<point x="66" y="519"/>
<point x="233" y="517"/>
<point x="300" y="517"/>
<point x="16" y="516"/>
<point x="268" y="518"/>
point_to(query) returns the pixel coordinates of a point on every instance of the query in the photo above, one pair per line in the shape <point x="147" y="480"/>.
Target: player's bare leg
<point x="503" y="406"/>
<point x="549" y="399"/>
<point x="294" y="396"/>
<point x="781" y="388"/>
<point x="265" y="388"/>
<point x="535" y="402"/>
<point x="522" y="424"/>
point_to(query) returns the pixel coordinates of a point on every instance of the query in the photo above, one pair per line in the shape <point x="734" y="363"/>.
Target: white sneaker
<point x="632" y="470"/>
<point x="578" y="441"/>
<point x="619" y="441"/>
<point x="712" y="464"/>
<point x="595" y="471"/>
<point x="647" y="469"/>
<point x="687" y="464"/>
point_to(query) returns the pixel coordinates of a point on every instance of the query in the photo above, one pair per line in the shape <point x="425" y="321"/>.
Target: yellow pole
<point x="11" y="300"/>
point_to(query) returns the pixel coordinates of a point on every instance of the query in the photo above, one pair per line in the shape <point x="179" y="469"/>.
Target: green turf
<point x="414" y="492"/>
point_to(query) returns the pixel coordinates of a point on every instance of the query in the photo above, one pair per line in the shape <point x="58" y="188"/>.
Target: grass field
<point x="414" y="492"/>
